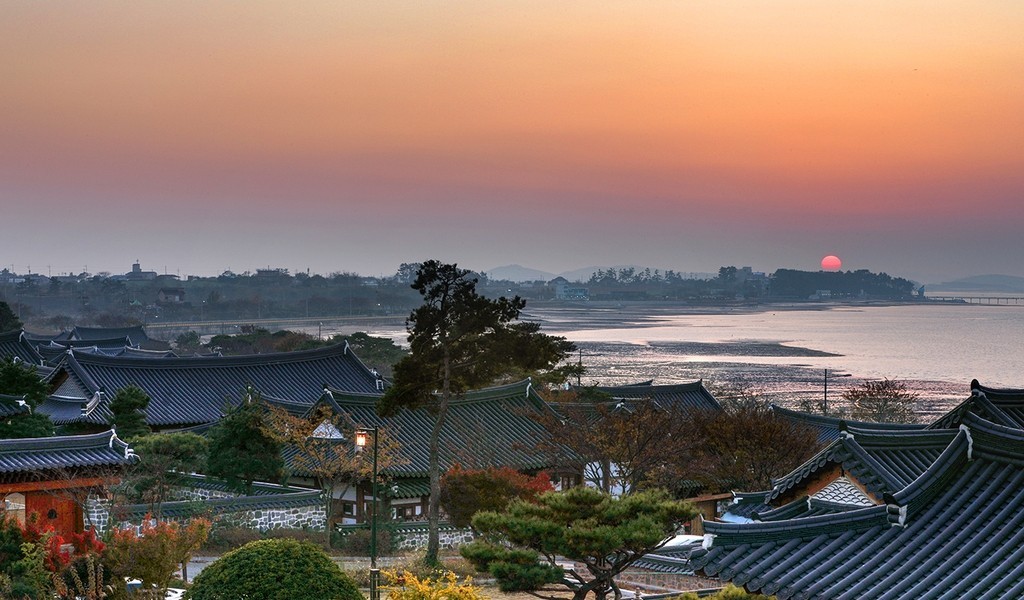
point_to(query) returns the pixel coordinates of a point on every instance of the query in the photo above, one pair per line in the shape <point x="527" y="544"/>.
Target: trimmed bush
<point x="280" y="569"/>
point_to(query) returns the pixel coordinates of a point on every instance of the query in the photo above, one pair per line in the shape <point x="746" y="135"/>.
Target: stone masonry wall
<point x="312" y="517"/>
<point x="448" y="539"/>
<point x="97" y="513"/>
<point x="196" y="493"/>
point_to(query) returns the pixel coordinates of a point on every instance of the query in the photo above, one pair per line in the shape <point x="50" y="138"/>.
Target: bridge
<point x="993" y="300"/>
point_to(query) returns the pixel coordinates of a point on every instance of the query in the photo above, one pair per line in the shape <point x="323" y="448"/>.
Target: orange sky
<point x="830" y="123"/>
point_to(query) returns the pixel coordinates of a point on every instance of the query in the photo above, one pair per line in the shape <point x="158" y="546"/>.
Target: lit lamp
<point x="362" y="438"/>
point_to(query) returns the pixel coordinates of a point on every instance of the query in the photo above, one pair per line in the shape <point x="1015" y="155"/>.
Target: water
<point x="782" y="353"/>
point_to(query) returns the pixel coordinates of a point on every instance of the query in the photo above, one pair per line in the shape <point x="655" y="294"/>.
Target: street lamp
<point x="362" y="436"/>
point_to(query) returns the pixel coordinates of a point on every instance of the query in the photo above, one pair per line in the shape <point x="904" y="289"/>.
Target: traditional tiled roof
<point x="489" y="427"/>
<point x="998" y="405"/>
<point x="16" y="344"/>
<point x="137" y="334"/>
<point x="186" y="391"/>
<point x="881" y="461"/>
<point x="63" y="452"/>
<point x="957" y="531"/>
<point x="746" y="504"/>
<point x="682" y="395"/>
<point x="829" y="428"/>
<point x="13" y="405"/>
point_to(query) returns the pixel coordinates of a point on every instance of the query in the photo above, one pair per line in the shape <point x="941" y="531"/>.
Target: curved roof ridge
<point x="648" y="386"/>
<point x="916" y="436"/>
<point x="1002" y="393"/>
<point x="762" y="531"/>
<point x="994" y="440"/>
<point x="812" y="464"/>
<point x="845" y="424"/>
<point x="981" y="401"/>
<point x="875" y="467"/>
<point x="935" y="477"/>
<point x="71" y="361"/>
<point x="61" y="442"/>
<point x="12" y="335"/>
<point x="209" y="362"/>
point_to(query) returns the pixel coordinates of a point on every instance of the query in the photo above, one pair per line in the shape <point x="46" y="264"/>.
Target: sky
<point x="200" y="136"/>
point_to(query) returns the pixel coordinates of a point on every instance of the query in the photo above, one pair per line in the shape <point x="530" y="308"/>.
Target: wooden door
<point x="55" y="511"/>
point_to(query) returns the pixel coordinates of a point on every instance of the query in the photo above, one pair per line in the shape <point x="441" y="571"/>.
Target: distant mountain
<point x="519" y="273"/>
<point x="583" y="274"/>
<point x="981" y="283"/>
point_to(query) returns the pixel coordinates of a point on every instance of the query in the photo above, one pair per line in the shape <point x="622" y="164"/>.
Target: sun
<point x="831" y="263"/>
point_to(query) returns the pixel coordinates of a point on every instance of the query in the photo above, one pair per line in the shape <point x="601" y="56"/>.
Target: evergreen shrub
<point x="281" y="569"/>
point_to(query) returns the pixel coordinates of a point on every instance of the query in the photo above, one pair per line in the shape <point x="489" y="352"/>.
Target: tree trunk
<point x="434" y="504"/>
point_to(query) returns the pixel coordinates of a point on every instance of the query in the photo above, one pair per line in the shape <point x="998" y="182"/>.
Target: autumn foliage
<point x="465" y="492"/>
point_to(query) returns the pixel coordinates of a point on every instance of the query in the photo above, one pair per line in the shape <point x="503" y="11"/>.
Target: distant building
<point x="174" y="295"/>
<point x="567" y="291"/>
<point x="137" y="274"/>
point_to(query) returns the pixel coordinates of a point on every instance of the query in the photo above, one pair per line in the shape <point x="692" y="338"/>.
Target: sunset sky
<point x="353" y="136"/>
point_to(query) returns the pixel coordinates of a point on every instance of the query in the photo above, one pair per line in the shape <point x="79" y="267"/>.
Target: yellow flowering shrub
<point x="442" y="586"/>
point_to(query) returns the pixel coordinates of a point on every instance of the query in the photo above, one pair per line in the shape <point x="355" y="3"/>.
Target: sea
<point x="794" y="354"/>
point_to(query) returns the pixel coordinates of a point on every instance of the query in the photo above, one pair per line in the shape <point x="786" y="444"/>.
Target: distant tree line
<point x="112" y="301"/>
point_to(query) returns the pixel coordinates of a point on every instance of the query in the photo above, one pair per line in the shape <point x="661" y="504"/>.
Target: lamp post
<point x="361" y="441"/>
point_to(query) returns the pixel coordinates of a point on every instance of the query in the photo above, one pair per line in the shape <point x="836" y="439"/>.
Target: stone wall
<point x="447" y="538"/>
<point x="97" y="513"/>
<point x="283" y="509"/>
<point x="312" y="517"/>
<point x="198" y="493"/>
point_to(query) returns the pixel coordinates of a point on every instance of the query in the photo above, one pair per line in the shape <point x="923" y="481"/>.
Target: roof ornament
<point x="346" y="346"/>
<point x="327" y="392"/>
<point x="970" y="441"/>
<point x="902" y="521"/>
<point x="529" y="384"/>
<point x="113" y="436"/>
<point x="709" y="538"/>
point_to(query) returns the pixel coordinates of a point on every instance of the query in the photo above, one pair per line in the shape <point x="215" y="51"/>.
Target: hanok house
<point x="935" y="513"/>
<point x="192" y="391"/>
<point x="492" y="427"/>
<point x="55" y="477"/>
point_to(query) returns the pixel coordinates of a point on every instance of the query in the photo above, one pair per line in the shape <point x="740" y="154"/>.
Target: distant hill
<point x="583" y="274"/>
<point x="981" y="283"/>
<point x="519" y="273"/>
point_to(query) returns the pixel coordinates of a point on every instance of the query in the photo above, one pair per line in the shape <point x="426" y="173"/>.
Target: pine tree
<point x="129" y="417"/>
<point x="243" y="449"/>
<point x="459" y="341"/>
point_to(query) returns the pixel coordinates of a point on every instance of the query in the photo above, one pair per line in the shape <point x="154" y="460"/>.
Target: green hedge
<point x="276" y="569"/>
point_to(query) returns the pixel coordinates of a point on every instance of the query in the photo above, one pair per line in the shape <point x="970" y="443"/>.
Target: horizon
<point x="547" y="275"/>
<point x="349" y="137"/>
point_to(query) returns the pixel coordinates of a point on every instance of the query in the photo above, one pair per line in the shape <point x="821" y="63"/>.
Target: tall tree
<point x="243" y="449"/>
<point x="165" y="459"/>
<point x="128" y="408"/>
<point x="885" y="401"/>
<point x="460" y="340"/>
<point x="521" y="546"/>
<point x="8" y="320"/>
<point x="19" y="379"/>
